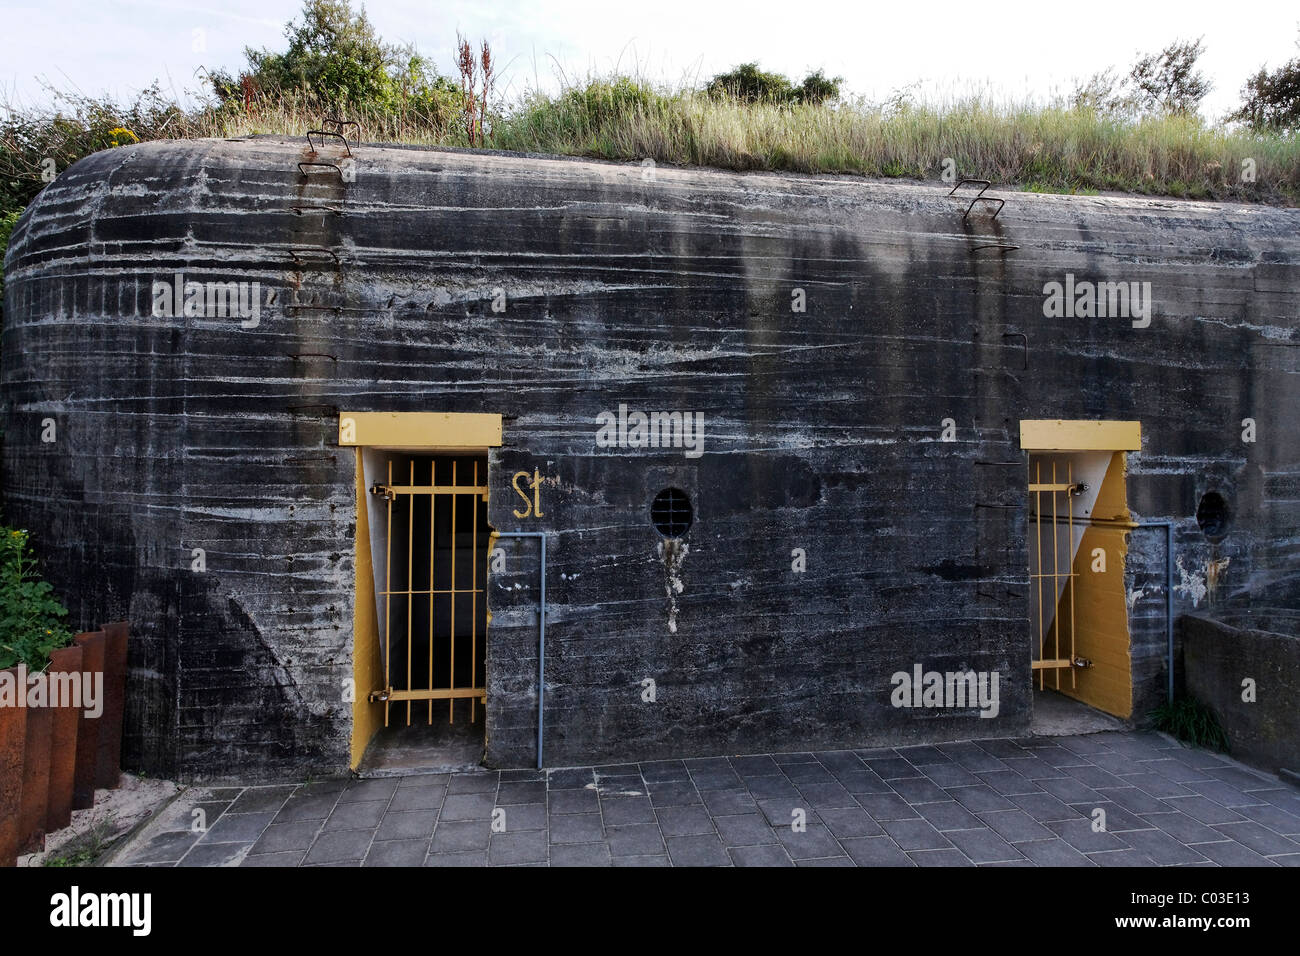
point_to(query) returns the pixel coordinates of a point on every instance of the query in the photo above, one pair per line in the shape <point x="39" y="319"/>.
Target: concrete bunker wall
<point x="672" y="293"/>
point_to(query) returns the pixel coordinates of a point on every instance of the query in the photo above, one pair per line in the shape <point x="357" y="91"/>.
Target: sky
<point x="1009" y="50"/>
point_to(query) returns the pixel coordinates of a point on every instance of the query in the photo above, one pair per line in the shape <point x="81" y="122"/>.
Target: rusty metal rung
<point x="304" y="163"/>
<point x="322" y="133"/>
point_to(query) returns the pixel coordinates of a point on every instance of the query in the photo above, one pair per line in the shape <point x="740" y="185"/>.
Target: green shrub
<point x="31" y="618"/>
<point x="1192" y="722"/>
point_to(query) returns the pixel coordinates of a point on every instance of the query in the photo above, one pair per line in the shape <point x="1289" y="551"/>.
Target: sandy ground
<point x="115" y="813"/>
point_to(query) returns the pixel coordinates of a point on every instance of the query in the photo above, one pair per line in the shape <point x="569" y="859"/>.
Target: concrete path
<point x="1024" y="802"/>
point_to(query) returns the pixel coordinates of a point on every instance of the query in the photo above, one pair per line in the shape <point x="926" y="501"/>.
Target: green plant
<point x="1192" y="722"/>
<point x="31" y="618"/>
<point x="86" y="849"/>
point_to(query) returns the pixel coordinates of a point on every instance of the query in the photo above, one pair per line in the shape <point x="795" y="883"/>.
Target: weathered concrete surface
<point x="1261" y="719"/>
<point x="666" y="293"/>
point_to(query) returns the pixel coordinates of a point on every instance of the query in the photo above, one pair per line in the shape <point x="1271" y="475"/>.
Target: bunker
<point x="341" y="435"/>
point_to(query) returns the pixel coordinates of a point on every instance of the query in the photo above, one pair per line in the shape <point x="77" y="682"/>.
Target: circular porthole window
<point x="671" y="512"/>
<point x="1212" y="515"/>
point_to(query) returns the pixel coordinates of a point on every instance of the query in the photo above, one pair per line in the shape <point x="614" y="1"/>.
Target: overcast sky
<point x="1010" y="49"/>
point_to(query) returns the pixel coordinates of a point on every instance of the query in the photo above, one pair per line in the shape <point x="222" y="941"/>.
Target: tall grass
<point x="1045" y="148"/>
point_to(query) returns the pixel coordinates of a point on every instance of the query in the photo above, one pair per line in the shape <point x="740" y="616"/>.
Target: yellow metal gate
<point x="1052" y="527"/>
<point x="429" y="654"/>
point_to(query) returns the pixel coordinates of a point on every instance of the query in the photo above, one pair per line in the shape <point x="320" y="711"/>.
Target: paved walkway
<point x="997" y="802"/>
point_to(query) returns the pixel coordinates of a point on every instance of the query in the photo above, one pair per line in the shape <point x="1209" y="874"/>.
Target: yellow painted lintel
<point x="442" y="430"/>
<point x="1062" y="435"/>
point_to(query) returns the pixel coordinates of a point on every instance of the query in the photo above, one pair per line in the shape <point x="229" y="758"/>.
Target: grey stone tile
<point x="1155" y="785"/>
<point x="455" y="836"/>
<point x="378" y="788"/>
<point x="876" y="851"/>
<point x="216" y="854"/>
<point x="674" y="794"/>
<point x="635" y="839"/>
<point x="522" y="776"/>
<point x="1206" y="811"/>
<point x="781" y="813"/>
<point x="1094" y="777"/>
<point x="719" y="802"/>
<point x="811" y="842"/>
<point x="407" y="825"/>
<point x="915" y="835"/>
<point x="663" y="771"/>
<point x="1160" y="847"/>
<point x="640" y="860"/>
<point x="793" y="758"/>
<point x="576" y="828"/>
<point x="826" y="861"/>
<point x="921" y="755"/>
<point x="698" y="850"/>
<point x="1117" y="819"/>
<point x="919" y="790"/>
<point x="801" y="774"/>
<point x="313" y="806"/>
<point x="756" y="765"/>
<point x="418" y="798"/>
<point x="949" y="775"/>
<point x="950" y="815"/>
<point x="1225" y="795"/>
<point x="164" y="848"/>
<point x="574" y="801"/>
<point x="427" y="780"/>
<point x="887" y="806"/>
<point x="262" y="799"/>
<point x="979" y="798"/>
<point x="340" y="846"/>
<point x="765" y="855"/>
<point x="619" y="811"/>
<point x="827" y="796"/>
<point x="863" y="781"/>
<point x="850" y="822"/>
<point x="1044" y="807"/>
<point x="767" y="788"/>
<point x="1259" y="838"/>
<point x="1231" y="853"/>
<point x="582" y="854"/>
<point x="238" y="828"/>
<point x="1069" y="790"/>
<point x="983" y="846"/>
<point x="397" y="853"/>
<point x="890" y="768"/>
<point x="357" y="816"/>
<point x="684" y="821"/>
<point x="1116" y="858"/>
<point x="283" y="858"/>
<point x="744" y="829"/>
<point x="939" y="858"/>
<point x="483" y="781"/>
<point x="570" y="778"/>
<point x="1080" y="835"/>
<point x="1016" y="826"/>
<point x="1286" y="859"/>
<point x="524" y="846"/>
<point x="287" y="836"/>
<point x="1183" y="828"/>
<point x="516" y="792"/>
<point x="468" y="806"/>
<point x="715" y="779"/>
<point x="458" y="858"/>
<point x="1053" y="853"/>
<point x="524" y="816"/>
<point x="1009" y="783"/>
<point x="1275" y="818"/>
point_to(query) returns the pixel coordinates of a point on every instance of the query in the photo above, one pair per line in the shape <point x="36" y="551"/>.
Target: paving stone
<point x="674" y="794"/>
<point x="949" y="815"/>
<point x="357" y="816"/>
<point x="165" y="847"/>
<point x="862" y="781"/>
<point x="1155" y="785"/>
<point x="793" y="758"/>
<point x="887" y="806"/>
<point x="1160" y="847"/>
<point x="1016" y="826"/>
<point x="1206" y="811"/>
<point x="378" y="788"/>
<point x="287" y="836"/>
<point x="826" y="861"/>
<point x="801" y="774"/>
<point x="430" y="780"/>
<point x="716" y="779"/>
<point x="468" y="806"/>
<point x="766" y="855"/>
<point x="455" y="836"/>
<point x="574" y="801"/>
<point x="744" y="829"/>
<point x="216" y="854"/>
<point x="919" y="790"/>
<point x="876" y="851"/>
<point x="581" y="854"/>
<point x="1259" y="838"/>
<point x="719" y="802"/>
<point x="979" y="798"/>
<point x="525" y="846"/>
<point x="889" y="768"/>
<point x="576" y="828"/>
<point x="283" y="858"/>
<point x="1183" y="828"/>
<point x="684" y="821"/>
<point x="237" y="828"/>
<point x="1053" y="853"/>
<point x="516" y="792"/>
<point x="618" y="811"/>
<point x="1116" y="858"/>
<point x="812" y="841"/>
<point x="301" y="807"/>
<point x="915" y="835"/>
<point x="1117" y="818"/>
<point x="397" y="853"/>
<point x="340" y="846"/>
<point x="1032" y="768"/>
<point x="1001" y="747"/>
<point x="418" y="798"/>
<point x="939" y="858"/>
<point x="1286" y="859"/>
<point x="524" y="816"/>
<point x="1094" y="777"/>
<point x="261" y="799"/>
<point x="698" y="850"/>
<point x="1225" y="795"/>
<point x="1044" y="807"/>
<point x="1080" y="835"/>
<point x="523" y="776"/>
<point x="1069" y="790"/>
<point x="573" y="778"/>
<point x="1275" y="818"/>
<point x="827" y="796"/>
<point x="1009" y="783"/>
<point x="458" y="858"/>
<point x="755" y="766"/>
<point x="476" y="782"/>
<point x="850" y="822"/>
<point x="921" y="755"/>
<point x="640" y="860"/>
<point x="983" y="846"/>
<point x="635" y="839"/>
<point x="407" y="824"/>
<point x="781" y="813"/>
<point x="1231" y="853"/>
<point x="949" y="775"/>
<point x="772" y="787"/>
